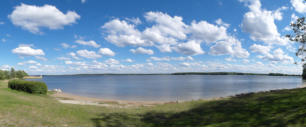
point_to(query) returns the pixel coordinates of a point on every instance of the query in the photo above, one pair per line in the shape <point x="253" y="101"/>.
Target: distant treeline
<point x="229" y="73"/>
<point x="4" y="74"/>
<point x="182" y="73"/>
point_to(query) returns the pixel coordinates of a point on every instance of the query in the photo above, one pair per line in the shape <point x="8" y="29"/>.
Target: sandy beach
<point x="75" y="99"/>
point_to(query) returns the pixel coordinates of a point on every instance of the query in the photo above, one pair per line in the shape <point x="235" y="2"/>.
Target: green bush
<point x="34" y="87"/>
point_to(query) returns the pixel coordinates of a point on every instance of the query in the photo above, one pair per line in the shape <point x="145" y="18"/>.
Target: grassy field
<point x="276" y="108"/>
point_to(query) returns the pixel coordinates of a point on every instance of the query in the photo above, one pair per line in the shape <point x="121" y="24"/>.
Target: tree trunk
<point x="304" y="73"/>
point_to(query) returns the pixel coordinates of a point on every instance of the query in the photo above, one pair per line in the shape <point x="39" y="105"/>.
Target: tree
<point x="2" y="75"/>
<point x="12" y="73"/>
<point x="20" y="74"/>
<point x="299" y="28"/>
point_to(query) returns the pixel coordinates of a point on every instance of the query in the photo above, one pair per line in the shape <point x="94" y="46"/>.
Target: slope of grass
<point x="275" y="108"/>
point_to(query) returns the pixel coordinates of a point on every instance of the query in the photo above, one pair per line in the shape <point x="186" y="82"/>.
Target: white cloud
<point x="134" y="20"/>
<point x="33" y="18"/>
<point x="41" y="58"/>
<point x="167" y="25"/>
<point x="63" y="58"/>
<point x="260" y="49"/>
<point x="31" y="62"/>
<point x="221" y="23"/>
<point x="170" y="33"/>
<point x="167" y="58"/>
<point x="128" y="60"/>
<point x="65" y="45"/>
<point x="299" y="5"/>
<point x="207" y="32"/>
<point x="26" y="50"/>
<point x="106" y="51"/>
<point x="260" y="24"/>
<point x="277" y="55"/>
<point x="5" y="67"/>
<point x="83" y="1"/>
<point x="230" y="46"/>
<point x="122" y="34"/>
<point x="88" y="54"/>
<point x="185" y="64"/>
<point x="78" y="63"/>
<point x="88" y="43"/>
<point x="166" y="30"/>
<point x="192" y="47"/>
<point x="141" y="50"/>
<point x="112" y="61"/>
<point x="73" y="55"/>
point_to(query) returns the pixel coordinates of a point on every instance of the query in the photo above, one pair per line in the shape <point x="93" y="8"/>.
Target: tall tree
<point x="13" y="73"/>
<point x="299" y="35"/>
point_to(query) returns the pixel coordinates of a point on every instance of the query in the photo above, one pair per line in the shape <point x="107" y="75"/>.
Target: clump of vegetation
<point x="4" y="74"/>
<point x="34" y="87"/>
<point x="299" y="36"/>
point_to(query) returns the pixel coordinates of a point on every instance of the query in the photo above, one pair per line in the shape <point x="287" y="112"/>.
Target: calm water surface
<point x="167" y="87"/>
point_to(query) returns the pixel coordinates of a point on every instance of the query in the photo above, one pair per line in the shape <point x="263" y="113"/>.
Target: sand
<point x="75" y="99"/>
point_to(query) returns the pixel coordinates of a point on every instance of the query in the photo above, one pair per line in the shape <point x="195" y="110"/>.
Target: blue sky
<point x="152" y="36"/>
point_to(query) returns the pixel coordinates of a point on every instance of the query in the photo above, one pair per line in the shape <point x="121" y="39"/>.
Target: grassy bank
<point x="277" y="108"/>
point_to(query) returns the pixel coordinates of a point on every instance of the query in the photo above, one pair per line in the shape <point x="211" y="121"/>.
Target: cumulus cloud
<point x="166" y="29"/>
<point x="73" y="55"/>
<point x="260" y="23"/>
<point x="88" y="54"/>
<point x="41" y="58"/>
<point x="63" y="58"/>
<point x="26" y="50"/>
<point x="31" y="62"/>
<point x="168" y="33"/>
<point x="207" y="32"/>
<point x="88" y="43"/>
<point x="167" y="58"/>
<point x="141" y="50"/>
<point x="111" y="61"/>
<point x="277" y="55"/>
<point x="33" y="18"/>
<point x="107" y="52"/>
<point x="260" y="49"/>
<point x="192" y="47"/>
<point x="78" y="63"/>
<point x="128" y="60"/>
<point x="65" y="45"/>
<point x="299" y="5"/>
<point x="231" y="46"/>
<point x="122" y="34"/>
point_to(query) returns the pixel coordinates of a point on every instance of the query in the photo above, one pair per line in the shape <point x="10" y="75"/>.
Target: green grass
<point x="276" y="108"/>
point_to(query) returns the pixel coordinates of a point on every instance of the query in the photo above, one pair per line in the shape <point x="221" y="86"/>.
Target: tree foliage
<point x="299" y="28"/>
<point x="4" y="74"/>
<point x="299" y="36"/>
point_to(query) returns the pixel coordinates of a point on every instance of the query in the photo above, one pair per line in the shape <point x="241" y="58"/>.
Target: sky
<point x="151" y="36"/>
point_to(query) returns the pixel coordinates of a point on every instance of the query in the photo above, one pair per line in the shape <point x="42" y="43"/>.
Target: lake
<point x="167" y="87"/>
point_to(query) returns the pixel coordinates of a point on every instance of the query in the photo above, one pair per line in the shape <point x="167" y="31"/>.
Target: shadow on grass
<point x="275" y="108"/>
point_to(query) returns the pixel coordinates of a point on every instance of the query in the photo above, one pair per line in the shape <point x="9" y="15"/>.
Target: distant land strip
<point x="184" y="73"/>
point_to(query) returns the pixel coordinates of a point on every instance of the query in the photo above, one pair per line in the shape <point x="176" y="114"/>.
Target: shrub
<point x="34" y="87"/>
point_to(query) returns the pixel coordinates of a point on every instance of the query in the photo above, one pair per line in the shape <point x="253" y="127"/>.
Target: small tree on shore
<point x="299" y="28"/>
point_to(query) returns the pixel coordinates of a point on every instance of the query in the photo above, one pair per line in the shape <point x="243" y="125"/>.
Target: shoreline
<point x="68" y="98"/>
